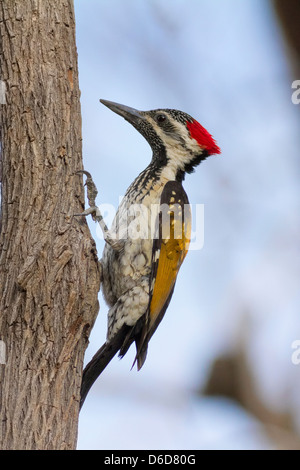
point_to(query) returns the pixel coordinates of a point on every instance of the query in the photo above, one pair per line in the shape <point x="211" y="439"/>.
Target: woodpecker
<point x="139" y="269"/>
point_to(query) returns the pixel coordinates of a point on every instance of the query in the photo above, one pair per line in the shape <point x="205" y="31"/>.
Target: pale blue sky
<point x="223" y="63"/>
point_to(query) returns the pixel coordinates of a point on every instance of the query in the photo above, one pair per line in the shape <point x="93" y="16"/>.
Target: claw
<point x="91" y="195"/>
<point x="86" y="173"/>
<point x="94" y="211"/>
<point x="91" y="187"/>
<point x="89" y="211"/>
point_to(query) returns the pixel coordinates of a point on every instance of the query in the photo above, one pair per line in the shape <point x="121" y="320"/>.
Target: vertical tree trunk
<point x="49" y="276"/>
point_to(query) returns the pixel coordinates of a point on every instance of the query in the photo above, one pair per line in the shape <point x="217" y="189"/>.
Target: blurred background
<point x="221" y="371"/>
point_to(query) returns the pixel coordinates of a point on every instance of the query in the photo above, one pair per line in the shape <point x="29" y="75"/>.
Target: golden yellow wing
<point x="169" y="250"/>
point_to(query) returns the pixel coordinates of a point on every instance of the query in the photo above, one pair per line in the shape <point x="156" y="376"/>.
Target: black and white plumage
<point x="143" y="251"/>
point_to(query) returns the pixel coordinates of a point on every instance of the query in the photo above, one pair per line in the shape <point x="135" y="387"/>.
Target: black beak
<point x="130" y="114"/>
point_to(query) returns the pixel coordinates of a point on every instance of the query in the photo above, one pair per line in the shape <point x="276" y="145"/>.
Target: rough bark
<point x="49" y="276"/>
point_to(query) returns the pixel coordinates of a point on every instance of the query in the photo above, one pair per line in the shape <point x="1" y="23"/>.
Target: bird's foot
<point x="95" y="212"/>
<point x="91" y="195"/>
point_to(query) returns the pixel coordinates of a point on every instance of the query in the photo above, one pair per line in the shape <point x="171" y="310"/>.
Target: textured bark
<point x="49" y="276"/>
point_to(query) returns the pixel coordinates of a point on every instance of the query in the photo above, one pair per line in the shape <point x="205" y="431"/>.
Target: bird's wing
<point x="170" y="247"/>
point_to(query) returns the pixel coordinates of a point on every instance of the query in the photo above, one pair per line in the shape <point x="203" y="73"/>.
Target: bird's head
<point x="178" y="141"/>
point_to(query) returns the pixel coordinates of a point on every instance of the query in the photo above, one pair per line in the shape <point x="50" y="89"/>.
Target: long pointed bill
<point x="130" y="114"/>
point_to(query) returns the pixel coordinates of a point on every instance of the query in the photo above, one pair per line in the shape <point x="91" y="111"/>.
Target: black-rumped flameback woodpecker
<point x="150" y="234"/>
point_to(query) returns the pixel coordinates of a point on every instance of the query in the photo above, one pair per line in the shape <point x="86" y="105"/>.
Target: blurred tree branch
<point x="232" y="377"/>
<point x="288" y="13"/>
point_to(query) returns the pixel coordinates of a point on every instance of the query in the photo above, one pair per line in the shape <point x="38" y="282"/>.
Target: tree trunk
<point x="49" y="276"/>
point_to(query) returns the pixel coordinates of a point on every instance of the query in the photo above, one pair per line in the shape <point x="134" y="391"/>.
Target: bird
<point x="150" y="235"/>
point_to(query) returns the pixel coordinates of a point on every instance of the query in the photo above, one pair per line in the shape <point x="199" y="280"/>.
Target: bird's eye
<point x="161" y="118"/>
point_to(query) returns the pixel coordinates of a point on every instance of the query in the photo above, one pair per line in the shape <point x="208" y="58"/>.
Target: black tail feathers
<point x="95" y="367"/>
<point x="120" y="342"/>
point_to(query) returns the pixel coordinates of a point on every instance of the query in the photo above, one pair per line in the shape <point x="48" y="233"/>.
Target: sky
<point x="224" y="63"/>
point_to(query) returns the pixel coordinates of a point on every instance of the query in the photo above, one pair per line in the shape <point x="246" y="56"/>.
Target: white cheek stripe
<point x="177" y="155"/>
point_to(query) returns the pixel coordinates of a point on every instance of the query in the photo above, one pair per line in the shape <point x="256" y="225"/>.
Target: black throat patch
<point x="190" y="167"/>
